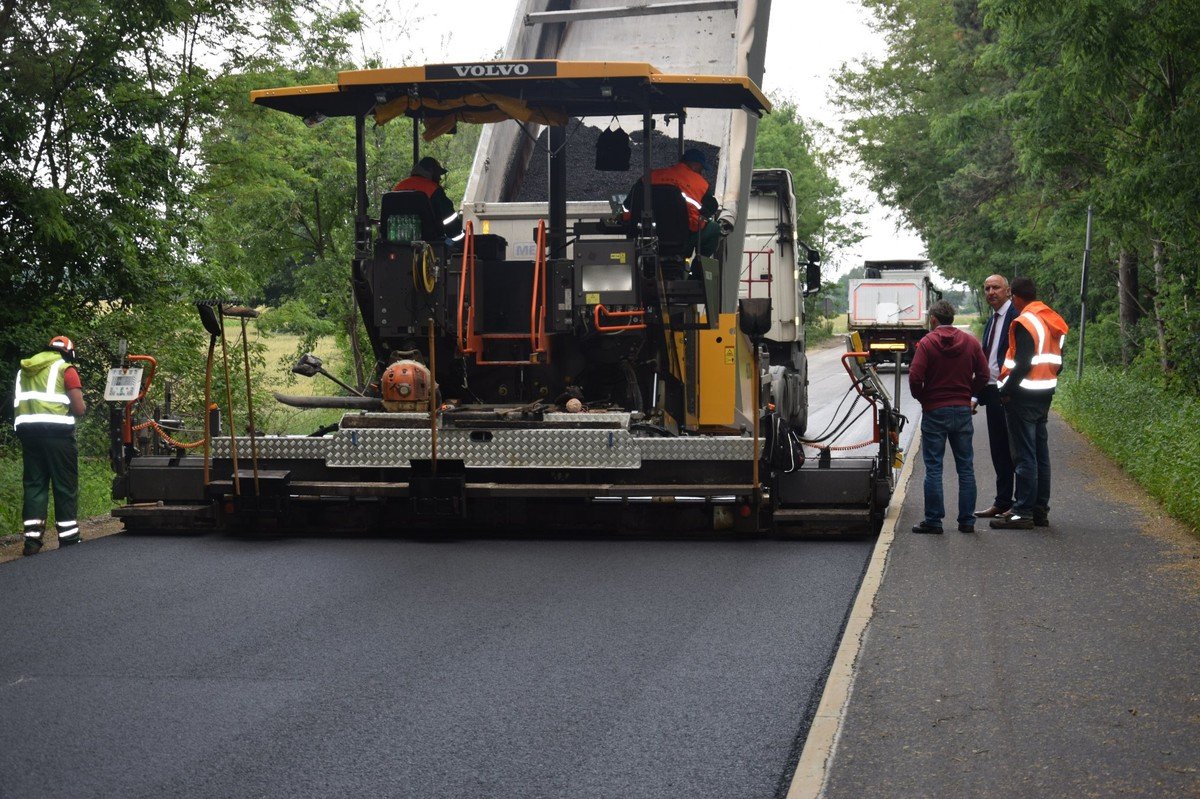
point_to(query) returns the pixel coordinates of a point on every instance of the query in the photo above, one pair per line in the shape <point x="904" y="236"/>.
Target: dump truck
<point x="568" y="363"/>
<point x="889" y="308"/>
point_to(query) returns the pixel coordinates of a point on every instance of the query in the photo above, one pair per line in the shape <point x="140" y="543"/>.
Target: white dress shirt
<point x="995" y="353"/>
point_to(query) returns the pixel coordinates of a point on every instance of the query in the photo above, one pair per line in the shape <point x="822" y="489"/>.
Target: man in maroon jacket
<point x="947" y="369"/>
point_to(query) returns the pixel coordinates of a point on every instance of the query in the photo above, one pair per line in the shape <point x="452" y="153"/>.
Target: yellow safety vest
<point x="41" y="395"/>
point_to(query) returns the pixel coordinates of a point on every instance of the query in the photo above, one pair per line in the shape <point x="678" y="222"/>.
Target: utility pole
<point x="1087" y="253"/>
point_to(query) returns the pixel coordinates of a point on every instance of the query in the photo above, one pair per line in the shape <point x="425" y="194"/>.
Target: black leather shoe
<point x="926" y="528"/>
<point x="988" y="513"/>
<point x="1041" y="521"/>
<point x="1013" y="522"/>
<point x="966" y="528"/>
<point x="32" y="546"/>
<point x="68" y="541"/>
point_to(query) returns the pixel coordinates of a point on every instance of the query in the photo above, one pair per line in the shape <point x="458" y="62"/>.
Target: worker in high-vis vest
<point x="47" y="401"/>
<point x="1028" y="378"/>
<point x="688" y="176"/>
<point x="426" y="178"/>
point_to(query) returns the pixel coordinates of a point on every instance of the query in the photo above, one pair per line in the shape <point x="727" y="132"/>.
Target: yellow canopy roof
<point x="542" y="91"/>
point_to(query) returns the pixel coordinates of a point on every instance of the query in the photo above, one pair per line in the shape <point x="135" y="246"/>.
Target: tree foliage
<point x="994" y="124"/>
<point x="824" y="214"/>
<point x="136" y="178"/>
<point x="101" y="107"/>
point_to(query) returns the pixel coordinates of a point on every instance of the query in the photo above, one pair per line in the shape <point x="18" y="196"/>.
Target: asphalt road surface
<point x="828" y="383"/>
<point x="213" y="666"/>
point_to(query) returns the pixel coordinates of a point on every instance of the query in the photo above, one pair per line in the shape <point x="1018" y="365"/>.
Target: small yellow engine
<point x="405" y="386"/>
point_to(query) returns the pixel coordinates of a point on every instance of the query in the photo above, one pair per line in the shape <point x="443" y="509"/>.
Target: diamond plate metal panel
<point x="297" y="447"/>
<point x="514" y="449"/>
<point x="517" y="449"/>
<point x="696" y="448"/>
<point x="609" y="418"/>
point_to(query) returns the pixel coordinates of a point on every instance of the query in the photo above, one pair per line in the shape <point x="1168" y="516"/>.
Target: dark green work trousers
<point x="51" y="460"/>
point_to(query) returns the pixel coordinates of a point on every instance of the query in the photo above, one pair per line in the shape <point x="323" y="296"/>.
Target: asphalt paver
<point x="1055" y="662"/>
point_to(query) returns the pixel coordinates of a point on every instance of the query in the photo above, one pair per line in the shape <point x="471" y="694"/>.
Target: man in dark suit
<point x="995" y="341"/>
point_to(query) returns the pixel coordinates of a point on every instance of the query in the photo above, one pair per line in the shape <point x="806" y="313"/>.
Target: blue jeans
<point x="1030" y="447"/>
<point x="938" y="426"/>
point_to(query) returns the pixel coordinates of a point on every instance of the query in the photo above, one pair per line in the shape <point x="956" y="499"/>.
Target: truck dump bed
<point x="889" y="308"/>
<point x="726" y="37"/>
<point x="897" y="299"/>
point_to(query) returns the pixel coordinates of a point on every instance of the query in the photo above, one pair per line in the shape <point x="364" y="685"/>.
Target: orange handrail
<point x="465" y="280"/>
<point x="539" y="268"/>
<point x="615" y="314"/>
<point x="875" y="433"/>
<point x="127" y="426"/>
<point x="471" y="342"/>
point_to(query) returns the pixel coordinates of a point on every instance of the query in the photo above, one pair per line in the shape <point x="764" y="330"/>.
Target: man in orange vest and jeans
<point x="1028" y="378"/>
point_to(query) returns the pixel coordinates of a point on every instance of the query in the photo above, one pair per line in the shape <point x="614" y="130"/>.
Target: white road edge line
<point x="812" y="771"/>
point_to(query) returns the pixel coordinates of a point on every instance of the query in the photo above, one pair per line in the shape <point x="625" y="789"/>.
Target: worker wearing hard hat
<point x="688" y="176"/>
<point x="426" y="177"/>
<point x="48" y="400"/>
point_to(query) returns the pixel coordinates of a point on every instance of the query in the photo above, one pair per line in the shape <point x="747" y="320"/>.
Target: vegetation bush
<point x="818" y="329"/>
<point x="296" y="318"/>
<point x="1153" y="433"/>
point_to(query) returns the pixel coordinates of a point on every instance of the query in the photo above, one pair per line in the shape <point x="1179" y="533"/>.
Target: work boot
<point x="1041" y="517"/>
<point x="32" y="546"/>
<point x="67" y="541"/>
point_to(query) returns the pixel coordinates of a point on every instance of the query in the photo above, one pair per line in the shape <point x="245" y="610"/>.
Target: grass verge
<point x="1153" y="433"/>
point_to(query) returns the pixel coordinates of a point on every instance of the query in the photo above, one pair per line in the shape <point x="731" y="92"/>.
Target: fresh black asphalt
<point x="218" y="667"/>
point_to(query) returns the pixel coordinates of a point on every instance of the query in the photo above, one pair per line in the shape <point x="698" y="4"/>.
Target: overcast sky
<point x="807" y="43"/>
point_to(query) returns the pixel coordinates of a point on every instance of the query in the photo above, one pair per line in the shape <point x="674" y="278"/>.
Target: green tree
<point x="993" y="124"/>
<point x="100" y="109"/>
<point x="824" y="214"/>
<point x="926" y="123"/>
<point x="1105" y="112"/>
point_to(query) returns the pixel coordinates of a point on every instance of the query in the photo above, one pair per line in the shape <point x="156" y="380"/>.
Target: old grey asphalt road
<point x="828" y="384"/>
<point x="1055" y="662"/>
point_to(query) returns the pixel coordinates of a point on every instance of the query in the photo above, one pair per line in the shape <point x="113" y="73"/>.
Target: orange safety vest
<point x="417" y="183"/>
<point x="1049" y="333"/>
<point x="692" y="185"/>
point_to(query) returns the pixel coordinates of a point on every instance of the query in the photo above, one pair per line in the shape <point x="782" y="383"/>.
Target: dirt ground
<point x="89" y="530"/>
